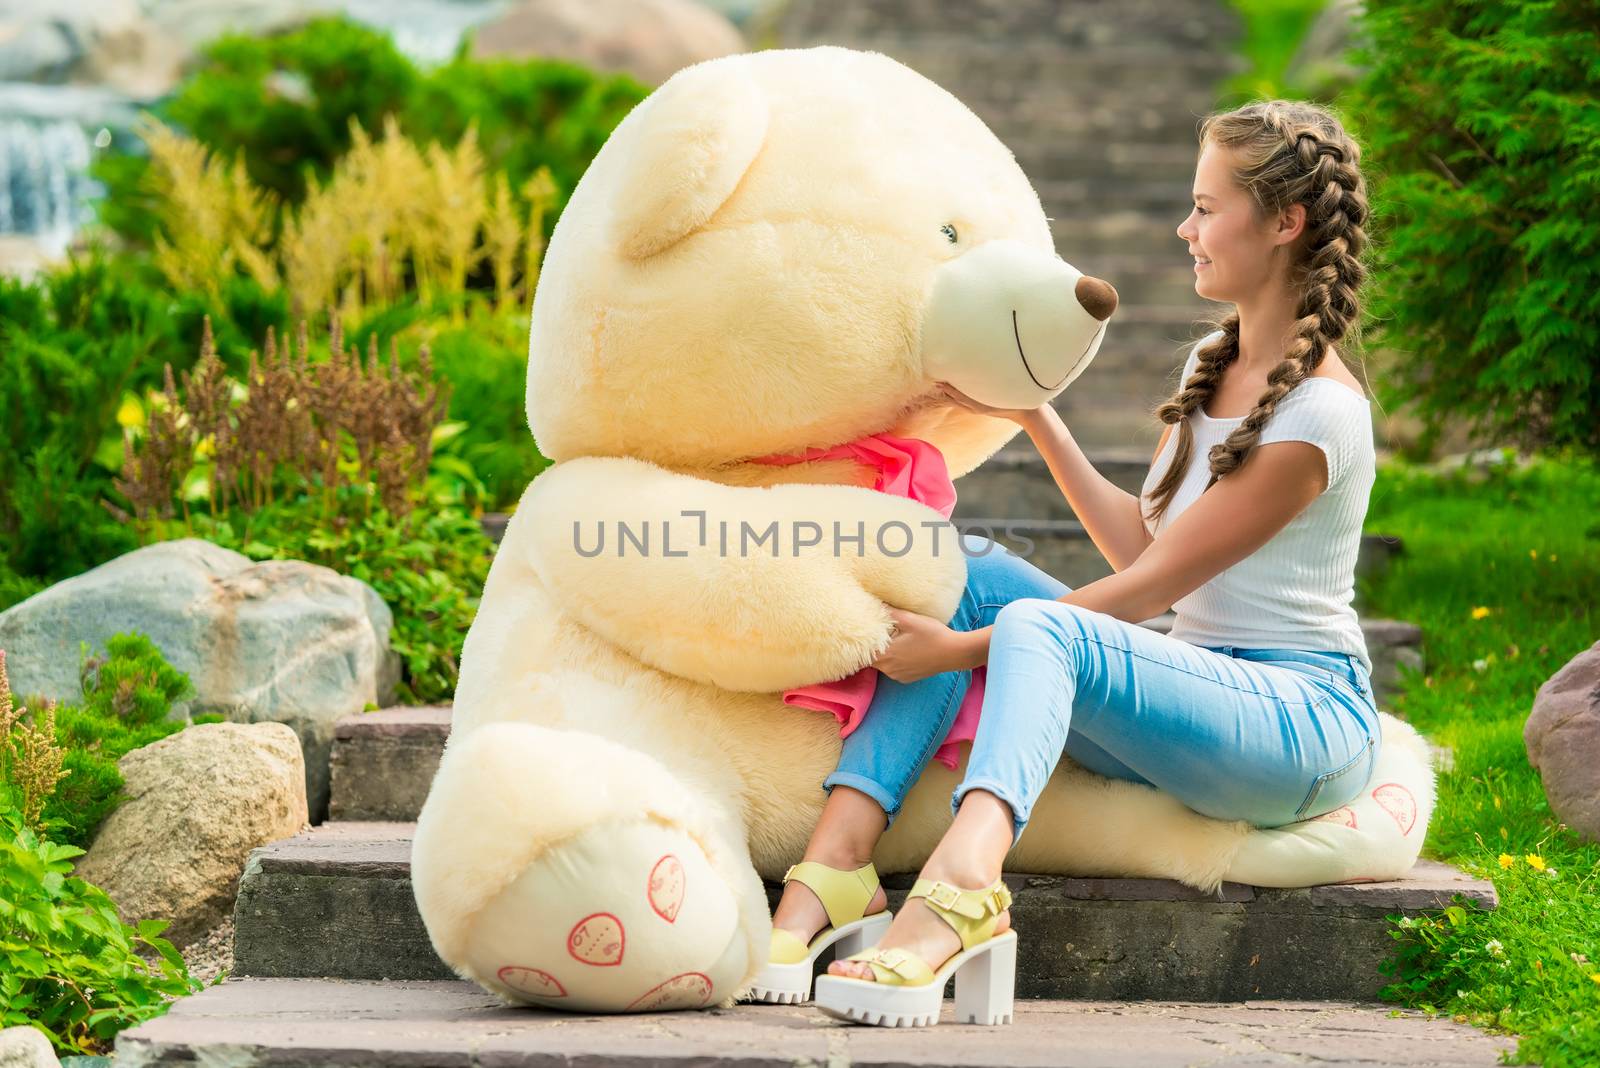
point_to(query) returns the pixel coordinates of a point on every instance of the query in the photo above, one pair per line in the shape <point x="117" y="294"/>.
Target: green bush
<point x="327" y="460"/>
<point x="1481" y="123"/>
<point x="74" y="346"/>
<point x="71" y="967"/>
<point x="127" y="695"/>
<point x="486" y="448"/>
<point x="285" y="102"/>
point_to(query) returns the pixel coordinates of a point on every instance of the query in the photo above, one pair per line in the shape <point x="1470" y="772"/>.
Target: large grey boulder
<point x="649" y="39"/>
<point x="198" y="802"/>
<point x="1563" y="739"/>
<point x="281" y="641"/>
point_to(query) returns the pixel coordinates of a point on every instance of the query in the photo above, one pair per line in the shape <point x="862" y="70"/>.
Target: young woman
<point x="1257" y="706"/>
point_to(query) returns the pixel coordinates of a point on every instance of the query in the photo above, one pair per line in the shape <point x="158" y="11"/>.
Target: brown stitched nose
<point x="1097" y="297"/>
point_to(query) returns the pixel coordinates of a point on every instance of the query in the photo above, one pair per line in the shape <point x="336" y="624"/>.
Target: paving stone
<point x="336" y="901"/>
<point x="289" y="1023"/>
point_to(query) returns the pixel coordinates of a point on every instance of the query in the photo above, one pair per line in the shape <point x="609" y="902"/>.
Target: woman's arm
<point x="1231" y="520"/>
<point x="1110" y="514"/>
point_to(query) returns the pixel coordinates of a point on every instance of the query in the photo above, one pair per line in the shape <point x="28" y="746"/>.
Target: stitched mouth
<point x="1018" y="335"/>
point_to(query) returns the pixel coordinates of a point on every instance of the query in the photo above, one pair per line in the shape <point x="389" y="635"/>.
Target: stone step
<point x="1082" y="23"/>
<point x="383" y="762"/>
<point x="292" y="1023"/>
<point x="336" y="902"/>
<point x="1158" y="195"/>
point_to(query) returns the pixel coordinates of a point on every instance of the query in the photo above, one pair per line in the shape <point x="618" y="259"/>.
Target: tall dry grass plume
<point x="297" y="426"/>
<point x="30" y="759"/>
<point x="391" y="219"/>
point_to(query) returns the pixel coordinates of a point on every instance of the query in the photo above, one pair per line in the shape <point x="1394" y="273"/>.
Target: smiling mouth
<point x="1018" y="335"/>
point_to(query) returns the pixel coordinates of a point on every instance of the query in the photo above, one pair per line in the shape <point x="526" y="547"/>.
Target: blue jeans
<point x="1270" y="736"/>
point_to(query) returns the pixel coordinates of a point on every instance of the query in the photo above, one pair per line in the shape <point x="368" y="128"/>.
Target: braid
<point x="1302" y="156"/>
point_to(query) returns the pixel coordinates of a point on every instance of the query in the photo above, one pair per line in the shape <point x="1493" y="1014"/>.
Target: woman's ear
<point x="699" y="133"/>
<point x="1291" y="224"/>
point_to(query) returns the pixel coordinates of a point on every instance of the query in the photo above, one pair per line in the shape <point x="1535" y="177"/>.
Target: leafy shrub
<point x="286" y="103"/>
<point x="127" y="696"/>
<point x="1482" y="123"/>
<point x="75" y="346"/>
<point x="322" y="460"/>
<point x="70" y="965"/>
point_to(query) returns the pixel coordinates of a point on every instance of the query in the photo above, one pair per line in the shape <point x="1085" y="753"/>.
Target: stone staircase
<point x="336" y="901"/>
<point x="333" y="966"/>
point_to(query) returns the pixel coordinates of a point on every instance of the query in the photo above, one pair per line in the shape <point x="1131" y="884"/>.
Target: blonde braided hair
<point x="1288" y="152"/>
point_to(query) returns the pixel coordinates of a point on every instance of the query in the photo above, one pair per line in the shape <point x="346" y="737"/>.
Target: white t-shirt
<point x="1294" y="592"/>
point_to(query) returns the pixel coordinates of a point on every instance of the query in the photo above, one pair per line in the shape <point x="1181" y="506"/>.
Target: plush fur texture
<point x="746" y="269"/>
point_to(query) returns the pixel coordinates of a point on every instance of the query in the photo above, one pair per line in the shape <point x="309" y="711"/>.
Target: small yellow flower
<point x="1533" y="554"/>
<point x="1506" y="860"/>
<point x="1535" y="861"/>
<point x="1479" y="612"/>
<point x="1595" y="977"/>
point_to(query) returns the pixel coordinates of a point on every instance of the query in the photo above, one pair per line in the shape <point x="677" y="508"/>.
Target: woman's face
<point x="1234" y="251"/>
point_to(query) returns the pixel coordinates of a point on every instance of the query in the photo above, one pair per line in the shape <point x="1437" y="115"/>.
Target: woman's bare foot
<point x="800" y="912"/>
<point x="918" y="929"/>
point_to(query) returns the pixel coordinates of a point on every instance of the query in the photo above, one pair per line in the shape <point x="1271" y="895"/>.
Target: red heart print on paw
<point x="1397" y="802"/>
<point x="666" y="887"/>
<point x="1345" y="815"/>
<point x="535" y="982"/>
<point x="691" y="990"/>
<point x="597" y="940"/>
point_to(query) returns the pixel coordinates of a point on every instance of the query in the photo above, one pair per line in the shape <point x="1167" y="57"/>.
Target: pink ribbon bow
<point x="906" y="467"/>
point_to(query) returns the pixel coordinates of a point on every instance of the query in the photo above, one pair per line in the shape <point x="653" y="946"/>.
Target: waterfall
<point x="44" y="185"/>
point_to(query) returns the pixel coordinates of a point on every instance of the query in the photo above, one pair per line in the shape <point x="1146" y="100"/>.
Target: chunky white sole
<point x="986" y="984"/>
<point x="790" y="984"/>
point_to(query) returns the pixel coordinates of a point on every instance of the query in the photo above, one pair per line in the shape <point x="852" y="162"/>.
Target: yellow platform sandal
<point x="845" y="895"/>
<point x="908" y="993"/>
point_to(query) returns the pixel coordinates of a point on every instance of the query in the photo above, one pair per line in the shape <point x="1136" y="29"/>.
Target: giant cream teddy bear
<point x="772" y="253"/>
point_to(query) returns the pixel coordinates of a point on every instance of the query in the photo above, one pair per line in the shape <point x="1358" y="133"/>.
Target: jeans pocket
<point x="1334" y="788"/>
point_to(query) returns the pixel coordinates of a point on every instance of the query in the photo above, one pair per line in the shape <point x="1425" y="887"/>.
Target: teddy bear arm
<point x="710" y="582"/>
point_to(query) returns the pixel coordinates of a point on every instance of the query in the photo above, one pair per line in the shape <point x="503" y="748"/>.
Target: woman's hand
<point x="1017" y="415"/>
<point x="920" y="646"/>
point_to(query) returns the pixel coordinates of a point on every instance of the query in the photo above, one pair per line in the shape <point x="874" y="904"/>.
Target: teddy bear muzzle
<point x="1011" y="326"/>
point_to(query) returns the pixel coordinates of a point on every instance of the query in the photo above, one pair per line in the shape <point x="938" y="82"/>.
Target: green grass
<point x="1502" y="571"/>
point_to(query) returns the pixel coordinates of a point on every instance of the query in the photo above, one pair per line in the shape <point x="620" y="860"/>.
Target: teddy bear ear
<point x="699" y="133"/>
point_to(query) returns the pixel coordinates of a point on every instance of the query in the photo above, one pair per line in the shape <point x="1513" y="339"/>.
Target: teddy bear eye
<point x="949" y="231"/>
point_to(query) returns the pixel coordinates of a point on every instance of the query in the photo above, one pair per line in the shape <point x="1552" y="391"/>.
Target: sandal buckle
<point x="944" y="895"/>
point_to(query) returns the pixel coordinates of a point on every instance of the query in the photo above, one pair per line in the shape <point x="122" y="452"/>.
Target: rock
<point x="1563" y="739"/>
<point x="649" y="39"/>
<point x="102" y="42"/>
<point x="198" y="802"/>
<point x="26" y="1047"/>
<point x="197" y="22"/>
<point x="282" y="641"/>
